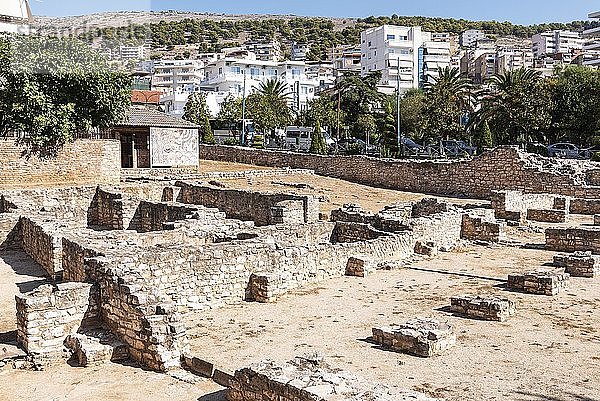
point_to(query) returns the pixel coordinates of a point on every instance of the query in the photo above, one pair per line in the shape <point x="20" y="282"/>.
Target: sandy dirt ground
<point x="333" y="193"/>
<point x="549" y="351"/>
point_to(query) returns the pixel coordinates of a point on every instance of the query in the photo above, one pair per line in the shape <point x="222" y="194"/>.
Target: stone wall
<point x="82" y="162"/>
<point x="106" y="211"/>
<point x="547" y="216"/>
<point x="477" y="228"/>
<point x="246" y="205"/>
<point x="43" y="242"/>
<point x="585" y="206"/>
<point x="46" y="316"/>
<point x="573" y="239"/>
<point x="514" y="205"/>
<point x="504" y="168"/>
<point x="309" y="380"/>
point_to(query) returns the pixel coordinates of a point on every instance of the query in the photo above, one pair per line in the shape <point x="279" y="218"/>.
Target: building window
<point x="254" y="71"/>
<point x="295" y="72"/>
<point x="391" y="37"/>
<point x="236" y="70"/>
<point x="403" y="37"/>
<point x="220" y="70"/>
<point x="369" y="43"/>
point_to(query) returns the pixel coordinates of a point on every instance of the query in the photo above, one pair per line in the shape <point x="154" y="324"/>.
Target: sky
<point x="516" y="11"/>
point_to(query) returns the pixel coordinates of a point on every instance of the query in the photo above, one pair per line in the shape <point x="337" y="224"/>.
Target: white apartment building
<point x="133" y="52"/>
<point x="552" y="42"/>
<point x="513" y="59"/>
<point x="406" y="56"/>
<point x="170" y="76"/>
<point x="470" y="37"/>
<point x="591" y="48"/>
<point x="15" y="16"/>
<point x="229" y="76"/>
<point x="346" y="58"/>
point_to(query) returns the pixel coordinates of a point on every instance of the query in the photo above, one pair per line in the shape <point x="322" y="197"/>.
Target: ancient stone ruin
<point x="419" y="337"/>
<point x="485" y="307"/>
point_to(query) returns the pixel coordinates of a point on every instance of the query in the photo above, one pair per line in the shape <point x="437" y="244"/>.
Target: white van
<point x="299" y="138"/>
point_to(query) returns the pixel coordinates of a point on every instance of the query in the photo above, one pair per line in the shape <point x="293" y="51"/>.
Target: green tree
<point x="317" y="142"/>
<point x="268" y="106"/>
<point x="196" y="111"/>
<point x="447" y="99"/>
<point x="576" y="106"/>
<point x="412" y="118"/>
<point x="230" y="112"/>
<point x="52" y="88"/>
<point x="360" y="100"/>
<point x="389" y="142"/>
<point x="518" y="107"/>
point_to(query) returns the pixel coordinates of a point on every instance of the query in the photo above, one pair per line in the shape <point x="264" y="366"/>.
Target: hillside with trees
<point x="321" y="33"/>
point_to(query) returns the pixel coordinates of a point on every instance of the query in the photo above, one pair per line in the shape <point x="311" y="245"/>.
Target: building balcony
<point x="592" y="33"/>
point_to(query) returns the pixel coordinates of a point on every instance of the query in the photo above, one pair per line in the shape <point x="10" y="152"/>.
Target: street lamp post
<point x="243" y="136"/>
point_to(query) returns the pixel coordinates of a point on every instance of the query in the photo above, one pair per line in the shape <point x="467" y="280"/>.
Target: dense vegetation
<point x="320" y="33"/>
<point x="52" y="89"/>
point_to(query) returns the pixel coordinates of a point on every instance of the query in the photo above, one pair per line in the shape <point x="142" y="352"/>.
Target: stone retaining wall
<point x="43" y="243"/>
<point x="46" y="316"/>
<point x="84" y="162"/>
<point x="573" y="239"/>
<point x="504" y="168"/>
<point x="585" y="206"/>
<point x="514" y="205"/>
<point x="246" y="205"/>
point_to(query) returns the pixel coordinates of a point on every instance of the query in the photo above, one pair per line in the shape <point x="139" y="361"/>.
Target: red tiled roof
<point x="145" y="97"/>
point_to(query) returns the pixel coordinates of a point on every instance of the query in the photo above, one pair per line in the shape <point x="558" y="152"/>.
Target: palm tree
<point x="517" y="106"/>
<point x="451" y="83"/>
<point x="274" y="90"/>
<point x="449" y="97"/>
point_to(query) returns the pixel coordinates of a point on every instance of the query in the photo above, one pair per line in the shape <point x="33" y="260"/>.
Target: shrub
<point x="230" y="142"/>
<point x="355" y="149"/>
<point x="596" y="157"/>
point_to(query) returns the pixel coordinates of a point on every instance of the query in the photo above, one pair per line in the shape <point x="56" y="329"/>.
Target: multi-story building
<point x="470" y="37"/>
<point x="406" y="56"/>
<point x="484" y="67"/>
<point x="552" y="42"/>
<point x="15" y="16"/>
<point x="300" y="51"/>
<point x="436" y="55"/>
<point x="171" y="76"/>
<point x="468" y="60"/>
<point x="133" y="52"/>
<point x="241" y="76"/>
<point x="513" y="59"/>
<point x="591" y="48"/>
<point x="345" y="59"/>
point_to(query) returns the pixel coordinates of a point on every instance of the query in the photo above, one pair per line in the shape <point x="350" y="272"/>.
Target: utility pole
<point x="243" y="136"/>
<point x="400" y="145"/>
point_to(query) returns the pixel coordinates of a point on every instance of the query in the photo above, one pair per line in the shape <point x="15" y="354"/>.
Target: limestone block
<point x="359" y="266"/>
<point x="539" y="282"/>
<point x="419" y="337"/>
<point x="96" y="347"/>
<point x="579" y="264"/>
<point x="487" y="307"/>
<point x="428" y="248"/>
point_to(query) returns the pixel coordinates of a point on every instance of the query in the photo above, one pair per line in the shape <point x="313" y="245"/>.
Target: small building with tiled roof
<point x="151" y="139"/>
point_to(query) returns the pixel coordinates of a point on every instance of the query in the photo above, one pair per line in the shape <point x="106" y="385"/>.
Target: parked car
<point x="411" y="148"/>
<point x="564" y="150"/>
<point x="454" y="148"/>
<point x="589" y="152"/>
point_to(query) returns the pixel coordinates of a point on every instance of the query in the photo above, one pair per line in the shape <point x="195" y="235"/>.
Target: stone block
<point x="95" y="348"/>
<point x="419" y="337"/>
<point x="199" y="366"/>
<point x="266" y="287"/>
<point x="487" y="307"/>
<point x="597" y="219"/>
<point x="547" y="216"/>
<point x="359" y="266"/>
<point x="426" y="248"/>
<point x="477" y="229"/>
<point x="579" y="264"/>
<point x="222" y="378"/>
<point x="539" y="282"/>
